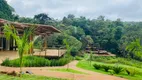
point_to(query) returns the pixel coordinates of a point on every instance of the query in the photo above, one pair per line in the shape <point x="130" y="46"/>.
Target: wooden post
<point x="1" y="40"/>
<point x="45" y="44"/>
<point x="58" y="53"/>
<point x="1" y="43"/>
<point x="11" y="43"/>
<point x="31" y="48"/>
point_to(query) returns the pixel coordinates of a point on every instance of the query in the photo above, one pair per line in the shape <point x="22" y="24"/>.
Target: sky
<point x="126" y="10"/>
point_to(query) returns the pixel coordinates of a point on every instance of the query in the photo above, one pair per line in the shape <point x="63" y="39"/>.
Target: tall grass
<point x="33" y="61"/>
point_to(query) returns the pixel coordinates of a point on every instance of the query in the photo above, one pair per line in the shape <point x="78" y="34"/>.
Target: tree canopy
<point x="113" y="36"/>
<point x="6" y="11"/>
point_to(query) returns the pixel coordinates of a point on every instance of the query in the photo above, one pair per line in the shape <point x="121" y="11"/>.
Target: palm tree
<point x="68" y="50"/>
<point x="23" y="42"/>
<point x="134" y="48"/>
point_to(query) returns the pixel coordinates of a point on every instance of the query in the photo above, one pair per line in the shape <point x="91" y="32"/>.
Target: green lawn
<point x="68" y="70"/>
<point x="27" y="77"/>
<point x="86" y="65"/>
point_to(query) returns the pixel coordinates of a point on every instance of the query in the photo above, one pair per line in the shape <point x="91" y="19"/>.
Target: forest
<point x="119" y="37"/>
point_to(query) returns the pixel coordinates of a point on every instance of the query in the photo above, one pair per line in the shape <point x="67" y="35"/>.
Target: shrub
<point x="60" y="62"/>
<point x="63" y="61"/>
<point x="6" y="62"/>
<point x="33" y="61"/>
<point x="106" y="67"/>
<point x="78" y="58"/>
<point x="97" y="66"/>
<point x="131" y="72"/>
<point x="103" y="58"/>
<point x="74" y="52"/>
<point x="117" y="69"/>
<point x="53" y="62"/>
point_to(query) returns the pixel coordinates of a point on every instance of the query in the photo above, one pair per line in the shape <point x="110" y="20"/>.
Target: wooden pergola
<point x="40" y="30"/>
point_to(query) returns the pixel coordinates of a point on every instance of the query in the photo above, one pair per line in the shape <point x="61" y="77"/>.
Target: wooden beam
<point x="45" y="44"/>
<point x="1" y="43"/>
<point x="31" y="48"/>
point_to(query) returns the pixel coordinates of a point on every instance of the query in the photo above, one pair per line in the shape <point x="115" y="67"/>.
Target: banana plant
<point x="23" y="43"/>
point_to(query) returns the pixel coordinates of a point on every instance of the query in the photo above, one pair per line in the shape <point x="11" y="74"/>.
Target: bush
<point x="74" y="51"/>
<point x="33" y="61"/>
<point x="117" y="69"/>
<point x="6" y="62"/>
<point x="97" y="66"/>
<point x="78" y="58"/>
<point x="131" y="72"/>
<point x="63" y="61"/>
<point x="106" y="67"/>
<point x="60" y="62"/>
<point x="103" y="58"/>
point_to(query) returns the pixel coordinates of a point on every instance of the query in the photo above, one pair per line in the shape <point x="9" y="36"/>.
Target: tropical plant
<point x="78" y="58"/>
<point x="23" y="42"/>
<point x="117" y="69"/>
<point x="91" y="57"/>
<point x="131" y="71"/>
<point x="106" y="67"/>
<point x="97" y="66"/>
<point x="68" y="50"/>
<point x="68" y="47"/>
<point x="6" y="62"/>
<point x="135" y="49"/>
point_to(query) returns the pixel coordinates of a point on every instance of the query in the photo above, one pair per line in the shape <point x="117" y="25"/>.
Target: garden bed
<point x="34" y="61"/>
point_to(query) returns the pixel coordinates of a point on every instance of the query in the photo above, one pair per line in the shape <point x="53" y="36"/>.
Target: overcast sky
<point x="127" y="10"/>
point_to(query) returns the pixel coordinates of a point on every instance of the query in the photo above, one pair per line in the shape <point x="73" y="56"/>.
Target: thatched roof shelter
<point x="43" y="30"/>
<point x="40" y="29"/>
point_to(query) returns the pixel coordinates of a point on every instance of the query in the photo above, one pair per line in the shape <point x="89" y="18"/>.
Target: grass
<point x="27" y="77"/>
<point x="85" y="65"/>
<point x="68" y="70"/>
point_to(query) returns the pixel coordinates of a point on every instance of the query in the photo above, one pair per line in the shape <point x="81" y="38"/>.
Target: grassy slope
<point x="68" y="70"/>
<point x="27" y="77"/>
<point x="86" y="65"/>
<point x="119" y="60"/>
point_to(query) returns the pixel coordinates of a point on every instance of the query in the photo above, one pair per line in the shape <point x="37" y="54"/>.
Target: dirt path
<point x="43" y="71"/>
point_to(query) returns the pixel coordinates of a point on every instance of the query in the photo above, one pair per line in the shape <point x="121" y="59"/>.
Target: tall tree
<point x="71" y="16"/>
<point x="42" y="18"/>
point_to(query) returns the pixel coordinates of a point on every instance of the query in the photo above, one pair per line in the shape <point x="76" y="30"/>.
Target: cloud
<point x="129" y="10"/>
